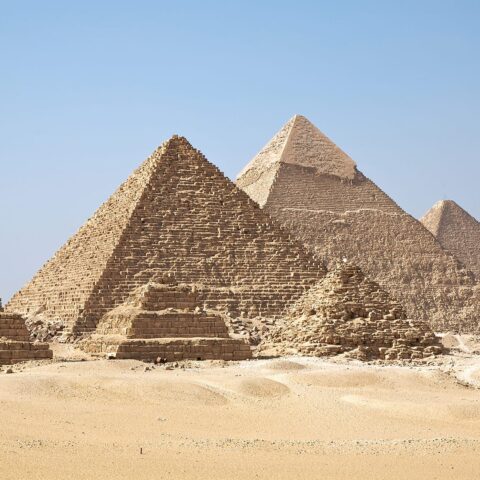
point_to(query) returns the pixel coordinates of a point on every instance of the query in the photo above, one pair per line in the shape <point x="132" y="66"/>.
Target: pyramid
<point x="347" y="312"/>
<point x="177" y="215"/>
<point x="165" y="321"/>
<point x="315" y="190"/>
<point x="15" y="344"/>
<point x="457" y="231"/>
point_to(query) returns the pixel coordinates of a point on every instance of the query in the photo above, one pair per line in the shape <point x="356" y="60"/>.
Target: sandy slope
<point x="271" y="419"/>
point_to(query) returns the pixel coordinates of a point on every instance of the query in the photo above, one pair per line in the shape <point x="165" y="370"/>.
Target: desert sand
<point x="280" y="418"/>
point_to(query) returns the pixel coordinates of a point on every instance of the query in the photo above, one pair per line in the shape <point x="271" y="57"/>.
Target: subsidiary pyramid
<point x="165" y="320"/>
<point x="338" y="213"/>
<point x="457" y="231"/>
<point x="347" y="312"/>
<point x="177" y="215"/>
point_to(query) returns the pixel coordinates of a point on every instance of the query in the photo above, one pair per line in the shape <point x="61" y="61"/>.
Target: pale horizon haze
<point x="89" y="89"/>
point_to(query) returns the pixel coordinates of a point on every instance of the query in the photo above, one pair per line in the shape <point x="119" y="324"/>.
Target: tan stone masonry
<point x="457" y="231"/>
<point x="346" y="312"/>
<point x="338" y="214"/>
<point x="177" y="214"/>
<point x="165" y="321"/>
<point x="15" y="344"/>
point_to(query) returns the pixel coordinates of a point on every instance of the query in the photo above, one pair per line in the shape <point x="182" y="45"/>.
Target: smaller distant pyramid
<point x="15" y="344"/>
<point x="457" y="231"/>
<point x="165" y="320"/>
<point x="346" y="312"/>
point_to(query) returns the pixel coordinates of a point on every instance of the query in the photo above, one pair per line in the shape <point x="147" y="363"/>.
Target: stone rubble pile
<point x="346" y="312"/>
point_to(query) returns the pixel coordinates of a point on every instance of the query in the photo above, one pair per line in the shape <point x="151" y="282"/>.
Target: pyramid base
<point x="12" y="351"/>
<point x="362" y="352"/>
<point x="168" y="349"/>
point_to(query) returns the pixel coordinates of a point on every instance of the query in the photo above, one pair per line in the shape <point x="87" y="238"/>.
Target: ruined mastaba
<point x="176" y="214"/>
<point x="457" y="231"/>
<point x="302" y="179"/>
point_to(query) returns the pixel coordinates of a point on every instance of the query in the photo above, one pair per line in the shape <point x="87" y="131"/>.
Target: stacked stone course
<point x="346" y="312"/>
<point x="179" y="215"/>
<point x="336" y="212"/>
<point x="165" y="321"/>
<point x="15" y="344"/>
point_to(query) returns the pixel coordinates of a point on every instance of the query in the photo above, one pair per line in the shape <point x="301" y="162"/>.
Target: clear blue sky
<point x="89" y="88"/>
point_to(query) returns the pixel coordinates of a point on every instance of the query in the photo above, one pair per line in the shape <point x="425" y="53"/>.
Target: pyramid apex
<point x="299" y="142"/>
<point x="440" y="207"/>
<point x="442" y="216"/>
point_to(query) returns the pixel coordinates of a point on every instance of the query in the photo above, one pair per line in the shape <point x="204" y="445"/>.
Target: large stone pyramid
<point x="457" y="231"/>
<point x="315" y="190"/>
<point x="347" y="312"/>
<point x="177" y="215"/>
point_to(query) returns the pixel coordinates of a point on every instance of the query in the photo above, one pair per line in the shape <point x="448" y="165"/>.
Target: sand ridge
<point x="273" y="418"/>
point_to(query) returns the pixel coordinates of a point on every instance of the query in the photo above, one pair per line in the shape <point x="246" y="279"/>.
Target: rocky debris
<point x="44" y="330"/>
<point x="347" y="313"/>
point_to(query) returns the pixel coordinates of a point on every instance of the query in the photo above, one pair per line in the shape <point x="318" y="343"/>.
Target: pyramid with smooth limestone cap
<point x="177" y="214"/>
<point x="457" y="231"/>
<point x="303" y="180"/>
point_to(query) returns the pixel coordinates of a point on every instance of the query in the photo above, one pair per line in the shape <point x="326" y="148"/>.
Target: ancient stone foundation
<point x="165" y="321"/>
<point x="15" y="344"/>
<point x="346" y="312"/>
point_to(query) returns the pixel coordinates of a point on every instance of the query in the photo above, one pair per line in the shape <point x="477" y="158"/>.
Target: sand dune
<point x="290" y="418"/>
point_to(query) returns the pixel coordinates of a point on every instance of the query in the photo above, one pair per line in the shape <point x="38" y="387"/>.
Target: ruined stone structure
<point x="165" y="321"/>
<point x="346" y="312"/>
<point x="177" y="214"/>
<point x="15" y="344"/>
<point x="457" y="231"/>
<point x="315" y="190"/>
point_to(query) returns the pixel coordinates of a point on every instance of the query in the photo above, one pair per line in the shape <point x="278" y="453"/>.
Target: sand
<point x="292" y="418"/>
